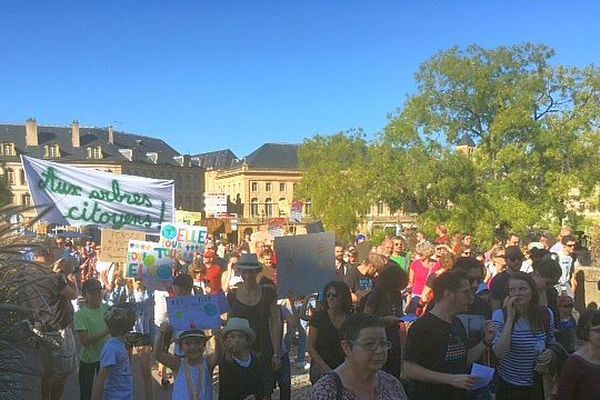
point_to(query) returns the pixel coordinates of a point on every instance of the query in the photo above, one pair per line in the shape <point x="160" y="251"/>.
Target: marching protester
<point x="93" y="332"/>
<point x="499" y="285"/>
<point x="324" y="330"/>
<point x="360" y="278"/>
<point x="580" y="375"/>
<point x="258" y="304"/>
<point x="436" y="356"/>
<point x="385" y="301"/>
<point x="525" y="330"/>
<point x="193" y="371"/>
<point x="114" y="379"/>
<point x="420" y="270"/>
<point x="341" y="266"/>
<point x="360" y="376"/>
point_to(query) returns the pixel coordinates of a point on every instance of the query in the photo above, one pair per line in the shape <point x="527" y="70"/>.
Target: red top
<point x="579" y="380"/>
<point x="213" y="277"/>
<point x="421" y="273"/>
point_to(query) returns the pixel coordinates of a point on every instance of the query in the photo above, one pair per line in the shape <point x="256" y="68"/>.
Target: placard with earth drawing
<point x="193" y="312"/>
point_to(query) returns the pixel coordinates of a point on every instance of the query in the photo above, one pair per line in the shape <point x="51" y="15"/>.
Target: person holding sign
<point x="258" y="304"/>
<point x="193" y="380"/>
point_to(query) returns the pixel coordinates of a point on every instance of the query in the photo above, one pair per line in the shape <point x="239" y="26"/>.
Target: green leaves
<point x="536" y="130"/>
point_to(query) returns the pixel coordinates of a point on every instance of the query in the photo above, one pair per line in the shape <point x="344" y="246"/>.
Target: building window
<point x="52" y="151"/>
<point x="254" y="207"/>
<point x="307" y="206"/>
<point x="269" y="207"/>
<point x="22" y="177"/>
<point x="295" y="187"/>
<point x="268" y="186"/>
<point x="380" y="208"/>
<point x="282" y="187"/>
<point x="7" y="149"/>
<point x="10" y="177"/>
<point x="26" y="199"/>
<point x="254" y="186"/>
<point x="282" y="212"/>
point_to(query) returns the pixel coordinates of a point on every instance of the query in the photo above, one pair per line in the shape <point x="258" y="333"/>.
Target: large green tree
<point x="5" y="192"/>
<point x="536" y="130"/>
<point x="336" y="176"/>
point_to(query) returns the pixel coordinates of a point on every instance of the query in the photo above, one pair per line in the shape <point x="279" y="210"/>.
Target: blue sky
<point x="206" y="75"/>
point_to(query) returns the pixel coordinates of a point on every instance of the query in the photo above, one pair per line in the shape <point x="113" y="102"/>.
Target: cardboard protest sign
<point x="182" y="241"/>
<point x="276" y="227"/>
<point x="284" y="207"/>
<point x="149" y="262"/>
<point x="296" y="212"/>
<point x="114" y="244"/>
<point x="306" y="263"/>
<point x="88" y="197"/>
<point x="193" y="312"/>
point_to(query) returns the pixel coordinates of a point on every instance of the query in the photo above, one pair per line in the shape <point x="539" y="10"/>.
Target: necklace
<point x="194" y="395"/>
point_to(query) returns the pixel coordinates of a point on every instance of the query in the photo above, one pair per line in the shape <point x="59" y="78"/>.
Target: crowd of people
<point x="407" y="321"/>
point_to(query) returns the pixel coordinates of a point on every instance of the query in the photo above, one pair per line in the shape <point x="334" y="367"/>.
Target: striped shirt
<point x="517" y="365"/>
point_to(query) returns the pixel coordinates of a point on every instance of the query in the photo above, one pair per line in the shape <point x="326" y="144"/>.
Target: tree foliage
<point x="536" y="129"/>
<point x="336" y="179"/>
<point x="5" y="192"/>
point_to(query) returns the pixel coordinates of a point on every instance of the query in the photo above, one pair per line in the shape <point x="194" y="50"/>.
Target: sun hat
<point x="248" y="261"/>
<point x="242" y="325"/>
<point x="192" y="333"/>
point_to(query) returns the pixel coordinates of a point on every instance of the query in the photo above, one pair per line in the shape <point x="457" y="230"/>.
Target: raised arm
<point x="159" y="352"/>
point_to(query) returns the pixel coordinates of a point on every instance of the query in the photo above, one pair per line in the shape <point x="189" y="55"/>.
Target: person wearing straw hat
<point x="258" y="304"/>
<point x="193" y="380"/>
<point x="239" y="371"/>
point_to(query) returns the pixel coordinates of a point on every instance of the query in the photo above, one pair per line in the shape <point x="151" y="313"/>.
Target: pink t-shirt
<point x="421" y="273"/>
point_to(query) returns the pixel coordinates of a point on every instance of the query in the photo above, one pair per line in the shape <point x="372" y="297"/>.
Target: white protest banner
<point x="306" y="263"/>
<point x="149" y="262"/>
<point x="183" y="241"/>
<point x="276" y="227"/>
<point x="88" y="197"/>
<point x="114" y="244"/>
<point x="193" y="312"/>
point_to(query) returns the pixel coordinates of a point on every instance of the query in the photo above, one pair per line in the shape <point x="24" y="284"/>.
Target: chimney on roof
<point x="111" y="135"/>
<point x="31" y="132"/>
<point x="75" y="138"/>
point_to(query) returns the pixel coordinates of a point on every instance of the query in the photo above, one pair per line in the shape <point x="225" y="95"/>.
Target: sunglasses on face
<point x="570" y="245"/>
<point x="330" y="295"/>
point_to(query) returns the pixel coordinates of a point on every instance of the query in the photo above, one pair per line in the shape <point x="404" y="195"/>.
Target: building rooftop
<point x="220" y="159"/>
<point x="466" y="140"/>
<point x="274" y="156"/>
<point x="143" y="148"/>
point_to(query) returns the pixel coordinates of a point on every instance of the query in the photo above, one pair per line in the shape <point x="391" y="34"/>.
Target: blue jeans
<point x="301" y="329"/>
<point x="283" y="378"/>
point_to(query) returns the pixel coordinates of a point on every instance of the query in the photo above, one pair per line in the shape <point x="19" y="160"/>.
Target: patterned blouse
<point x="388" y="388"/>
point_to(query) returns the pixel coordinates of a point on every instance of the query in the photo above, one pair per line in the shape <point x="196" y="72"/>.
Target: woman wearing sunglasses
<point x="580" y="375"/>
<point x="324" y="330"/>
<point x="365" y="347"/>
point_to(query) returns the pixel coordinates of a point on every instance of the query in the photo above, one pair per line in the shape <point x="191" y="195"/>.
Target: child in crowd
<point x="566" y="323"/>
<point x="239" y="370"/>
<point x="193" y="371"/>
<point x="114" y="380"/>
<point x="93" y="333"/>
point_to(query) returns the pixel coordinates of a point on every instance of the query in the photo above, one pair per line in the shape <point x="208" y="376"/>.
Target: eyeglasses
<point x="570" y="245"/>
<point x="330" y="295"/>
<point x="374" y="345"/>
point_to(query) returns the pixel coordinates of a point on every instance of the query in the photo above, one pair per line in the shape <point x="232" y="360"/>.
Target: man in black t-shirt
<point x="499" y="285"/>
<point x="436" y="356"/>
<point x="360" y="278"/>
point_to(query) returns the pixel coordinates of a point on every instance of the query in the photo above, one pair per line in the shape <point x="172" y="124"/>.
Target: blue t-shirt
<point x="119" y="385"/>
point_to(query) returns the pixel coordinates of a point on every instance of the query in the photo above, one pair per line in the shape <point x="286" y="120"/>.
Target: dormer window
<point x="7" y="149"/>
<point x="94" y="152"/>
<point x="51" y="151"/>
<point x="152" y="157"/>
<point x="127" y="153"/>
